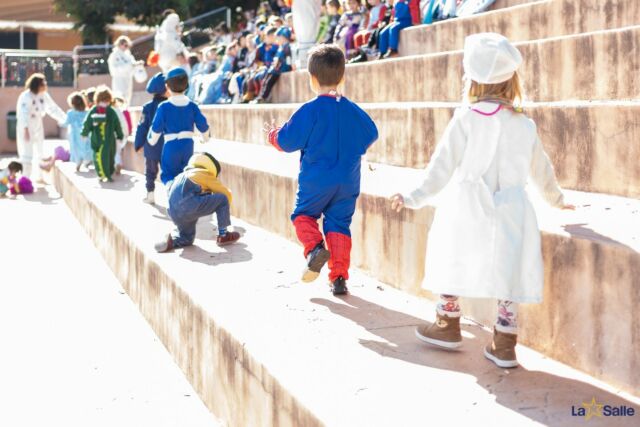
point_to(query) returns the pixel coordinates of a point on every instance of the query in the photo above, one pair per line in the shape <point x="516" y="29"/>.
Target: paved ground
<point x="74" y="349"/>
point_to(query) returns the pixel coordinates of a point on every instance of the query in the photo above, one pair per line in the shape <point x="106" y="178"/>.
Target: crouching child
<point x="193" y="194"/>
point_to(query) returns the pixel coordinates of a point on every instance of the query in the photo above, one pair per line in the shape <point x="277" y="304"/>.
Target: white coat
<point x="168" y="43"/>
<point x="121" y="67"/>
<point x="306" y="20"/>
<point x="484" y="240"/>
<point x="30" y="110"/>
<point x="125" y="135"/>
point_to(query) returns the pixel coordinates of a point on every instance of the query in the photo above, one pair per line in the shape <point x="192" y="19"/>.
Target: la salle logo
<point x="595" y="409"/>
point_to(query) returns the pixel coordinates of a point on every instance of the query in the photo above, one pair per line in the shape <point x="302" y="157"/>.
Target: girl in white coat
<point x="484" y="241"/>
<point x="33" y="104"/>
<point x="121" y="67"/>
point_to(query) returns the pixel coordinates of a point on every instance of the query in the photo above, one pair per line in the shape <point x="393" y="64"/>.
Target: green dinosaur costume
<point x="103" y="126"/>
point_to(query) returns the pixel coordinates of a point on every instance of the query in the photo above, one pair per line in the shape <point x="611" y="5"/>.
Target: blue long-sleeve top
<point x="151" y="152"/>
<point x="266" y="53"/>
<point x="332" y="134"/>
<point x="175" y="119"/>
<point x="283" y="56"/>
<point x="401" y="12"/>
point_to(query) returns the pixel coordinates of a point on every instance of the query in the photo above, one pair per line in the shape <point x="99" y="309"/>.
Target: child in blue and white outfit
<point x="390" y="35"/>
<point x="79" y="147"/>
<point x="176" y="119"/>
<point x="156" y="87"/>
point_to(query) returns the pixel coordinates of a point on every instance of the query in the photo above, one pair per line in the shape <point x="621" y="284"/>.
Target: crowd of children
<point x="484" y="241"/>
<point x="243" y="67"/>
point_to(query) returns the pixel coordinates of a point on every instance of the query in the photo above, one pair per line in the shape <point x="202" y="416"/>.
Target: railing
<point x="92" y="59"/>
<point x="17" y="65"/>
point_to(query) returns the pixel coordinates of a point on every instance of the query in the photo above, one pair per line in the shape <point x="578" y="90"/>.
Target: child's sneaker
<point x="316" y="259"/>
<point x="229" y="238"/>
<point x="339" y="286"/>
<point x="150" y="199"/>
<point x="166" y="245"/>
<point x="502" y="349"/>
<point x="444" y="332"/>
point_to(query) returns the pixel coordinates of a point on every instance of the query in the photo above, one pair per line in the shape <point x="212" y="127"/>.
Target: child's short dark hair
<point x="215" y="162"/>
<point x="90" y="94"/>
<point x="178" y="84"/>
<point x="77" y="102"/>
<point x="15" y="167"/>
<point x="193" y="59"/>
<point x="334" y="3"/>
<point x="326" y="63"/>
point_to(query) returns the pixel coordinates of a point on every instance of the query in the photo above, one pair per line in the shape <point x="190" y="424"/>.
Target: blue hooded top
<point x="156" y="87"/>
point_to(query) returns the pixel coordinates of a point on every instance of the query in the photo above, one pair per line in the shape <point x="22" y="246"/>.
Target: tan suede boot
<point x="444" y="332"/>
<point x="502" y="349"/>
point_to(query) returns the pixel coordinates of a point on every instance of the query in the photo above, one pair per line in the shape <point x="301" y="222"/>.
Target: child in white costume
<point x="121" y="67"/>
<point x="33" y="104"/>
<point x="484" y="241"/>
<point x="168" y="42"/>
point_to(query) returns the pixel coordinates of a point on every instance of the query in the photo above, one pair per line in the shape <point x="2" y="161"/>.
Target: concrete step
<point x="594" y="146"/>
<point x="592" y="66"/>
<point x="529" y="21"/>
<point x="262" y="349"/>
<point x="591" y="255"/>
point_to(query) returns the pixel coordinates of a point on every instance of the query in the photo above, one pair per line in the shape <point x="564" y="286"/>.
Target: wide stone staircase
<point x="264" y="350"/>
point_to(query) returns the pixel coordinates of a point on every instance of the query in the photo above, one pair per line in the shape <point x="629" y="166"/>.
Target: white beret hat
<point x="490" y="58"/>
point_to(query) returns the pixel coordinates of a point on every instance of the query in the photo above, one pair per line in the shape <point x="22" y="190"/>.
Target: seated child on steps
<point x="9" y="179"/>
<point x="484" y="241"/>
<point x="193" y="194"/>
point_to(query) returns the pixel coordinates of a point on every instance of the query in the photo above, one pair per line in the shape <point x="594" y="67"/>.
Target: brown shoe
<point x="444" y="332"/>
<point x="502" y="350"/>
<point x="165" y="245"/>
<point x="229" y="238"/>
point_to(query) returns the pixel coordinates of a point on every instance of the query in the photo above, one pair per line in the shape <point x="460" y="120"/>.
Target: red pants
<point x="361" y="38"/>
<point x="338" y="244"/>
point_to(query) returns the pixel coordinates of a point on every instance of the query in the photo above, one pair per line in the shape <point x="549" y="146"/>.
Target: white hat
<point x="490" y="58"/>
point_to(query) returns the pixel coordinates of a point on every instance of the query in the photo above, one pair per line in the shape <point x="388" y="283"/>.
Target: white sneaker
<point x="150" y="199"/>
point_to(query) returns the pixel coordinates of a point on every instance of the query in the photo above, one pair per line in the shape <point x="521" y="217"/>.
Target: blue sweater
<point x="402" y="13"/>
<point x="332" y="135"/>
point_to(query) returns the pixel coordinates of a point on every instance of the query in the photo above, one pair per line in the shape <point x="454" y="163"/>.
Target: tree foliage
<point x="93" y="16"/>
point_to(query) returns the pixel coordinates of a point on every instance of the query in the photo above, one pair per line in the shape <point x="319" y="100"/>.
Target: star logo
<point x="594" y="409"/>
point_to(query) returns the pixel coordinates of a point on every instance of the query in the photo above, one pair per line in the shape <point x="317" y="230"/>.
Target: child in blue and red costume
<point x="390" y="35"/>
<point x="281" y="64"/>
<point x="267" y="50"/>
<point x="176" y="119"/>
<point x="332" y="134"/>
<point x="152" y="153"/>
